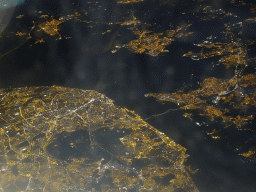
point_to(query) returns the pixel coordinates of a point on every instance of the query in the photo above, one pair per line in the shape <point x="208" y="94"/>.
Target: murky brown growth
<point x="59" y="139"/>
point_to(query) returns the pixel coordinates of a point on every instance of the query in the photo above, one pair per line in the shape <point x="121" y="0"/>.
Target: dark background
<point x="85" y="61"/>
